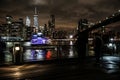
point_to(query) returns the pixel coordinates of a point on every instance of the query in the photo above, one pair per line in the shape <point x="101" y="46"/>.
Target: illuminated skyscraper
<point x="51" y="22"/>
<point x="36" y="25"/>
<point x="28" y="22"/>
<point x="51" y="25"/>
<point x="9" y="19"/>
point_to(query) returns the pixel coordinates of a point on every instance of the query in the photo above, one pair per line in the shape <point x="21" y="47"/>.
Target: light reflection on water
<point x="111" y="63"/>
<point x="111" y="66"/>
<point x="63" y="51"/>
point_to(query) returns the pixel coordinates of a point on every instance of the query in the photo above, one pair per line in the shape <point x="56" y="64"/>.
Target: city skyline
<point x="67" y="12"/>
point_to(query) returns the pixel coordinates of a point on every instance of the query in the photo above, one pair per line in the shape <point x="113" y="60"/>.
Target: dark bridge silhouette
<point x="109" y="20"/>
<point x="82" y="37"/>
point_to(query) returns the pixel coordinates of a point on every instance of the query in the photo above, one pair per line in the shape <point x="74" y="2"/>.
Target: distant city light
<point x="111" y="39"/>
<point x="106" y="17"/>
<point x="110" y="45"/>
<point x="118" y="10"/>
<point x="39" y="34"/>
<point x="99" y="21"/>
<point x="113" y="15"/>
<point x="27" y="44"/>
<point x="9" y="44"/>
<point x="71" y="36"/>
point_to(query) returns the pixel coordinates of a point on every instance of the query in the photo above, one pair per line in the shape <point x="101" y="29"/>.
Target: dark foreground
<point x="108" y="69"/>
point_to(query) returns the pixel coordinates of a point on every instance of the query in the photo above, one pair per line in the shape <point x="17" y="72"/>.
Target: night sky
<point x="67" y="12"/>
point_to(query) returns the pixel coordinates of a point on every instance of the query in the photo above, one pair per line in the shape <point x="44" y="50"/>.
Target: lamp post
<point x="17" y="53"/>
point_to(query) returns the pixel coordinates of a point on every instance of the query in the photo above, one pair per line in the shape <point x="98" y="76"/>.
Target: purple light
<point x="38" y="40"/>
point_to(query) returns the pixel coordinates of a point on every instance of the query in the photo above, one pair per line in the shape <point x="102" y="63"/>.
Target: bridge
<point x="108" y="20"/>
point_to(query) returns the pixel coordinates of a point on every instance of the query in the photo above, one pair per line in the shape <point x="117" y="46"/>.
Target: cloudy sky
<point x="67" y="12"/>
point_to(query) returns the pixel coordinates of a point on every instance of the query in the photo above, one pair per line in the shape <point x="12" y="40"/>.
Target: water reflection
<point x="63" y="51"/>
<point x="60" y="49"/>
<point x="110" y="63"/>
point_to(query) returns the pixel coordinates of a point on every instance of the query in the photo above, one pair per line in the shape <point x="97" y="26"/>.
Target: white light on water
<point x="71" y="42"/>
<point x="27" y="44"/>
<point x="71" y="53"/>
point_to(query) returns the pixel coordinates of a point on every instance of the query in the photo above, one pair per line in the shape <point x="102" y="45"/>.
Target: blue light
<point x="37" y="39"/>
<point x="34" y="36"/>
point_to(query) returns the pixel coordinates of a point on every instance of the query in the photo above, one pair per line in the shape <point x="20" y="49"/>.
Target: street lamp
<point x="17" y="48"/>
<point x="18" y="57"/>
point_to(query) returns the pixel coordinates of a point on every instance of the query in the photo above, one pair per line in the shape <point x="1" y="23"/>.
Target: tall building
<point x="17" y="29"/>
<point x="45" y="32"/>
<point x="4" y="30"/>
<point x="36" y="23"/>
<point x="13" y="30"/>
<point x="28" y="22"/>
<point x="29" y="28"/>
<point x="51" y="25"/>
<point x="52" y="20"/>
<point x="29" y="31"/>
<point x="9" y="19"/>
